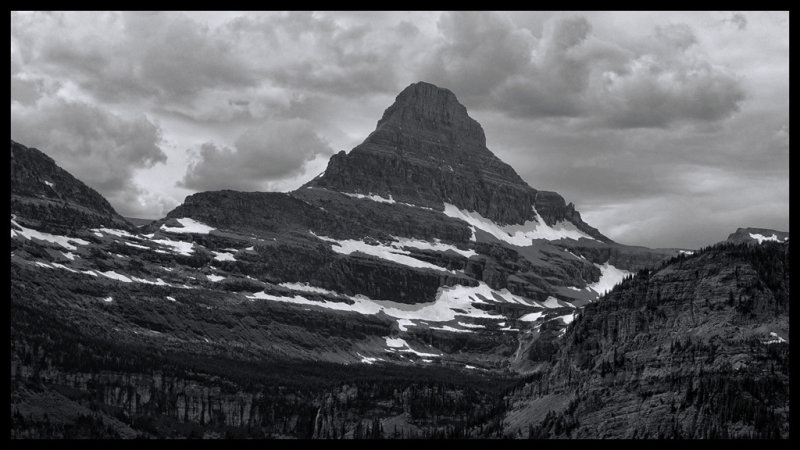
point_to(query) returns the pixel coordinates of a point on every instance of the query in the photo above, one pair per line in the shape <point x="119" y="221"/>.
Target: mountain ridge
<point x="329" y="312"/>
<point x="46" y="192"/>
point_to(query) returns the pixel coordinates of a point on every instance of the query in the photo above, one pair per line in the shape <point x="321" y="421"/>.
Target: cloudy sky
<point x="666" y="129"/>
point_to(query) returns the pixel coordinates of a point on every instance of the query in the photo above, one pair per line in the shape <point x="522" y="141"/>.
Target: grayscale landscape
<point x="399" y="225"/>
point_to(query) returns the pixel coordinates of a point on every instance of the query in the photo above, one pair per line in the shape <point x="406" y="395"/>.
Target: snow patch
<point x="29" y="233"/>
<point x="551" y="303"/>
<point x="610" y="276"/>
<point x="761" y="238"/>
<point x="49" y="183"/>
<point x="223" y="256"/>
<point x="435" y="246"/>
<point x="189" y="226"/>
<point x="116" y="276"/>
<point x="137" y="246"/>
<point x="69" y="256"/>
<point x="114" y="232"/>
<point x="400" y="345"/>
<point x="686" y="252"/>
<point x="368" y="359"/>
<point x="567" y="318"/>
<point x="373" y="197"/>
<point x="395" y="342"/>
<point x="404" y="323"/>
<point x="158" y="282"/>
<point x="108" y="299"/>
<point x="389" y="253"/>
<point x="470" y="325"/>
<point x="61" y="266"/>
<point x="172" y="299"/>
<point x="180" y="247"/>
<point x="775" y="338"/>
<point x="519" y="235"/>
<point x="532" y="317"/>
<point x="449" y="328"/>
<point x="451" y="302"/>
<point x="215" y="278"/>
<point x="305" y="287"/>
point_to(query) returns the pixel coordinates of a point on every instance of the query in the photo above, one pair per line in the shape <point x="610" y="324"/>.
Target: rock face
<point x="426" y="150"/>
<point x="695" y="348"/>
<point x="40" y="190"/>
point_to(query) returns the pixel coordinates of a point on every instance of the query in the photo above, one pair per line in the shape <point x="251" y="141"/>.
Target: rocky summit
<point x="416" y="288"/>
<point x="427" y="151"/>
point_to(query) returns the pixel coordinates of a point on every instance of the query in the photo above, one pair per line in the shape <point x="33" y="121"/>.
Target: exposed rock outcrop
<point x="427" y="151"/>
<point x="42" y="191"/>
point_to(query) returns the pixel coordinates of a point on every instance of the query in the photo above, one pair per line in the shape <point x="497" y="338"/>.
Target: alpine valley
<point x="417" y="288"/>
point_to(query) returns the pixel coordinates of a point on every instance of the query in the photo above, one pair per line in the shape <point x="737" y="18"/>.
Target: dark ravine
<point x="291" y="315"/>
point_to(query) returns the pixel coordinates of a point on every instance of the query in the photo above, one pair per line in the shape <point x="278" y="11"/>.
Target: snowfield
<point x="761" y="238"/>
<point x="610" y="276"/>
<point x="387" y="252"/>
<point x="189" y="226"/>
<point x="519" y="235"/>
<point x="451" y="302"/>
<point x="180" y="247"/>
<point x="115" y="276"/>
<point x="532" y="317"/>
<point x="223" y="256"/>
<point x="29" y="233"/>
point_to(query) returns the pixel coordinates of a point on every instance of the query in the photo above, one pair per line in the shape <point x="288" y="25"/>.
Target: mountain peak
<point x="427" y="151"/>
<point x="426" y="107"/>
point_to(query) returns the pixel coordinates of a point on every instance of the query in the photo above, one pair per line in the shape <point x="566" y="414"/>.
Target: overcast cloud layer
<point x="666" y="129"/>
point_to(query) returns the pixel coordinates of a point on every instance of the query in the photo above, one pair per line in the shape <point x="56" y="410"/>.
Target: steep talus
<point x="695" y="348"/>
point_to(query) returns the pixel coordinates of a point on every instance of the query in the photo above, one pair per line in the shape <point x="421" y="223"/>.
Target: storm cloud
<point x="272" y="152"/>
<point x="569" y="72"/>
<point x="99" y="148"/>
<point x="636" y="117"/>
